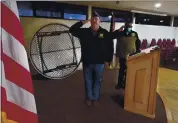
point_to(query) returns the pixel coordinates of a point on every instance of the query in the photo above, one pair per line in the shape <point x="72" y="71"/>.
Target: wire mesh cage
<point x="54" y="52"/>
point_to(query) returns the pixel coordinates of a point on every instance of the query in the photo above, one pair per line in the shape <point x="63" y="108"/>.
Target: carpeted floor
<point x="62" y="101"/>
<point x="169" y="65"/>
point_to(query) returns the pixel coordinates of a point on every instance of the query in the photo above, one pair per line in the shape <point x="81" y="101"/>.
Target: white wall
<point x="148" y="31"/>
<point x="176" y="35"/>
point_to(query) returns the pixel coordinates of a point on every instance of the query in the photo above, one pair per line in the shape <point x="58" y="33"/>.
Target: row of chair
<point x="169" y="51"/>
<point x="165" y="43"/>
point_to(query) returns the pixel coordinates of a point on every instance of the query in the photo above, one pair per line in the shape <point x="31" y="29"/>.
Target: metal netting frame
<point x="30" y="54"/>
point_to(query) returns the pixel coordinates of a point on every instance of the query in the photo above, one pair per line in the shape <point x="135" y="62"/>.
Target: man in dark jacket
<point x="127" y="43"/>
<point x="96" y="51"/>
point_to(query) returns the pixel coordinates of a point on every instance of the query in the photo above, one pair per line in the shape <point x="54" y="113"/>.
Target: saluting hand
<point x="85" y="21"/>
<point x="121" y="28"/>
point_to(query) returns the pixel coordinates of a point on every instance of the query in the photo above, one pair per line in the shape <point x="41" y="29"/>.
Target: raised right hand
<point x="121" y="28"/>
<point x="85" y="21"/>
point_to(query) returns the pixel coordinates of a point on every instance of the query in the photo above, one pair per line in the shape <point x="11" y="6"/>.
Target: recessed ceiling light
<point x="161" y="21"/>
<point x="149" y="13"/>
<point x="157" y="5"/>
<point x="144" y="19"/>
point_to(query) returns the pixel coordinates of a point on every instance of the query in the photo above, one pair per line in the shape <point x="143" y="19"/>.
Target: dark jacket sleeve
<point x="110" y="45"/>
<point x="115" y="34"/>
<point x="112" y="35"/>
<point x="137" y="43"/>
<point x="117" y="48"/>
<point x="76" y="29"/>
<point x="109" y="50"/>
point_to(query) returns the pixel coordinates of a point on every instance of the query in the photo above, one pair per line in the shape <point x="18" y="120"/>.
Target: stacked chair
<point x="173" y="43"/>
<point x="159" y="43"/>
<point x="153" y="42"/>
<point x="144" y="44"/>
<point x="169" y="51"/>
<point x="163" y="46"/>
<point x="171" y="54"/>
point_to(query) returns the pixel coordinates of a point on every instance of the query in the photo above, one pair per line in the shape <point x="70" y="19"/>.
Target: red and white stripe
<point x="17" y="91"/>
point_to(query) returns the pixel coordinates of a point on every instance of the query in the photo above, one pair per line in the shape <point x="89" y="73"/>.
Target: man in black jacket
<point x="96" y="51"/>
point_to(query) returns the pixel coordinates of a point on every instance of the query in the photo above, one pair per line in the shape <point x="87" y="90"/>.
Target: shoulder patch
<point x="133" y="34"/>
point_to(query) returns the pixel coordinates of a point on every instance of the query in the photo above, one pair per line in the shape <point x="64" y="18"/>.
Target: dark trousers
<point x="122" y="73"/>
<point x="92" y="77"/>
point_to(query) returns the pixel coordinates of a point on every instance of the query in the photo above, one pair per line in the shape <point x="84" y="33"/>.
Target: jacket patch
<point x="101" y="35"/>
<point x="133" y="34"/>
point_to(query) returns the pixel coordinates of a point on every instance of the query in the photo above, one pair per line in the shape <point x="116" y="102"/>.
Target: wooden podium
<point x="141" y="82"/>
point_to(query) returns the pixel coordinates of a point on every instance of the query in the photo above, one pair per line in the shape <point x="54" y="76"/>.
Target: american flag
<point x="18" y="102"/>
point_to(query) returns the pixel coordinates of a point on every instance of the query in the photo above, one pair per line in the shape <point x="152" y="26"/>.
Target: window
<point x="75" y="12"/>
<point x="152" y="19"/>
<point x="105" y="14"/>
<point x="175" y="21"/>
<point x="75" y="16"/>
<point x="120" y="16"/>
<point x="47" y="9"/>
<point x="25" y="8"/>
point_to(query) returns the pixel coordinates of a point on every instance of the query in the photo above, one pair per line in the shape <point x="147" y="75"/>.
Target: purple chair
<point x="159" y="43"/>
<point x="153" y="42"/>
<point x="144" y="44"/>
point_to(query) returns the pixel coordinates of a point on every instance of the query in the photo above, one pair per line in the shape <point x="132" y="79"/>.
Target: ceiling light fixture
<point x="149" y="13"/>
<point x="157" y="5"/>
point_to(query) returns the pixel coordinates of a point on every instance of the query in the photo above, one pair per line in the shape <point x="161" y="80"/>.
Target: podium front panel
<point x="140" y="92"/>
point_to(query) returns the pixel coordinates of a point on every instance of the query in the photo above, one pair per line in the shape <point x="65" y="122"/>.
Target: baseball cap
<point x="128" y="23"/>
<point x="95" y="14"/>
